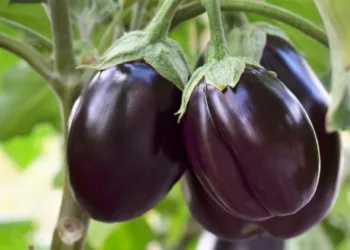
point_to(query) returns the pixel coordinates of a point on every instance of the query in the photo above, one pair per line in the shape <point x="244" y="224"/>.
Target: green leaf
<point x="165" y="56"/>
<point x="135" y="234"/>
<point x="24" y="149"/>
<point x="16" y="235"/>
<point x="337" y="22"/>
<point x="32" y="16"/>
<point x="25" y="101"/>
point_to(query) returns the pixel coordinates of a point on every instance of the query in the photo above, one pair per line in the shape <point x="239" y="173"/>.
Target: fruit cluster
<point x="257" y="157"/>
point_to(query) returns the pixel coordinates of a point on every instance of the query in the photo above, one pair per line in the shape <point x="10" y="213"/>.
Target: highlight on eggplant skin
<point x="211" y="216"/>
<point x="296" y="74"/>
<point x="254" y="146"/>
<point x="125" y="149"/>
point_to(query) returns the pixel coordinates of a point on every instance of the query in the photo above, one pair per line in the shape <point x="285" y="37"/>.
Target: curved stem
<point x="31" y="56"/>
<point x="43" y="40"/>
<point x="194" y="9"/>
<point x="159" y="26"/>
<point x="218" y="48"/>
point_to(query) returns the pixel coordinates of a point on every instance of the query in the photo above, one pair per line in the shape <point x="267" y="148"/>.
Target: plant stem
<point x="72" y="224"/>
<point x="138" y="14"/>
<point x="31" y="56"/>
<point x="261" y="8"/>
<point x="159" y="27"/>
<point x="218" y="48"/>
<point x="62" y="36"/>
<point x="43" y="40"/>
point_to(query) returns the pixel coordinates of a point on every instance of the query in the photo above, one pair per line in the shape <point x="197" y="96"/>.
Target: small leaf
<point x="170" y="61"/>
<point x="25" y="101"/>
<point x="165" y="56"/>
<point x="16" y="235"/>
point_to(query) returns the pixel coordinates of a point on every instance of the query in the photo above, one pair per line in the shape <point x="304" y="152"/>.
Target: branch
<point x="31" y="56"/>
<point x="72" y="225"/>
<point x="194" y="9"/>
<point x="62" y="36"/>
<point x="43" y="40"/>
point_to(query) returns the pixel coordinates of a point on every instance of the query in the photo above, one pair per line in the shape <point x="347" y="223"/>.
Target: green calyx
<point x="153" y="47"/>
<point x="165" y="56"/>
<point x="249" y="40"/>
<point x="220" y="74"/>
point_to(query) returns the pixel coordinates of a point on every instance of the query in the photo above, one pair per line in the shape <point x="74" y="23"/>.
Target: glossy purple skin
<point x="253" y="146"/>
<point x="296" y="74"/>
<point x="125" y="148"/>
<point x="211" y="216"/>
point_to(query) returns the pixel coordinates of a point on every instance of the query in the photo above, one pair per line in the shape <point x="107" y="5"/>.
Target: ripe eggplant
<point x="211" y="216"/>
<point x="253" y="146"/>
<point x="125" y="150"/>
<point x="295" y="73"/>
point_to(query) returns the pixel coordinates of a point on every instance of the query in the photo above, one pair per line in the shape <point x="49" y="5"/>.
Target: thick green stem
<point x="72" y="224"/>
<point x="159" y="27"/>
<point x="261" y="8"/>
<point x="31" y="56"/>
<point x="139" y="14"/>
<point x="62" y="36"/>
<point x="218" y="48"/>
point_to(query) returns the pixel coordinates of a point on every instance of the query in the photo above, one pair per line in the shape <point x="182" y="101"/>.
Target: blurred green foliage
<point x="30" y="121"/>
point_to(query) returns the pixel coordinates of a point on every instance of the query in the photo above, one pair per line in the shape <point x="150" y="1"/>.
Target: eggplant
<point x="280" y="57"/>
<point x="253" y="146"/>
<point x="125" y="149"/>
<point x="211" y="216"/>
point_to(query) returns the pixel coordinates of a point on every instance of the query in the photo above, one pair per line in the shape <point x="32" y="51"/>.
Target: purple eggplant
<point x="253" y="146"/>
<point x="295" y="73"/>
<point x="208" y="213"/>
<point x="125" y="149"/>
